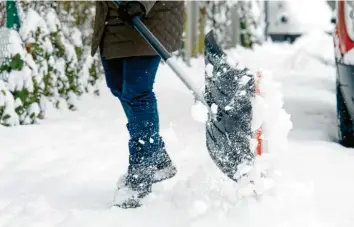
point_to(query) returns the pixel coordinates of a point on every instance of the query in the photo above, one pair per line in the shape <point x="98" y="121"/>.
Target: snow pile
<point x="273" y="124"/>
<point x="270" y="126"/>
<point x="269" y="110"/>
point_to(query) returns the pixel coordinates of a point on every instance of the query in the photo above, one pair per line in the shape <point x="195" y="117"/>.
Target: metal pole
<point x="266" y="12"/>
<point x="235" y="26"/>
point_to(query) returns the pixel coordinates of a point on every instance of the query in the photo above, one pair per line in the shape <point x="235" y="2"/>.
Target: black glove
<point x="127" y="11"/>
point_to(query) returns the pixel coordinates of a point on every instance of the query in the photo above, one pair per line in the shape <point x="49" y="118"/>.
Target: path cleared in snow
<point x="63" y="171"/>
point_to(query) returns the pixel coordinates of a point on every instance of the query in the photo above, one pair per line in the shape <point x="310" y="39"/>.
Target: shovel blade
<point x="229" y="88"/>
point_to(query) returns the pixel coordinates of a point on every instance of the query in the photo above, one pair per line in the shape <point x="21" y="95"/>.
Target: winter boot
<point x="164" y="167"/>
<point x="134" y="186"/>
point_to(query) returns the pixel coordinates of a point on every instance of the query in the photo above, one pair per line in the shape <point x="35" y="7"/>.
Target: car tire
<point x="345" y="122"/>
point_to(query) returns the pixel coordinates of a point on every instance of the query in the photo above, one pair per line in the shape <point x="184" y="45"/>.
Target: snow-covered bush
<point x="50" y="64"/>
<point x="219" y="20"/>
<point x="251" y="21"/>
<point x="78" y="19"/>
<point x="19" y="92"/>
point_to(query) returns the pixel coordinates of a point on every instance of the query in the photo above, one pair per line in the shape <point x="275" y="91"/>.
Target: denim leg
<point x="141" y="106"/>
<point x="113" y="69"/>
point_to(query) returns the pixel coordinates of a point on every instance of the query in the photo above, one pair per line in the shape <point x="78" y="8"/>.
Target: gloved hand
<point x="127" y="11"/>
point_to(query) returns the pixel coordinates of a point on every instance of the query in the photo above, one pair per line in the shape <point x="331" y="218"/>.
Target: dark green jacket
<point x="165" y="19"/>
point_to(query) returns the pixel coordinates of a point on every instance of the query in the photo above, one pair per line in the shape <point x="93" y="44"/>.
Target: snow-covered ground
<point x="63" y="171"/>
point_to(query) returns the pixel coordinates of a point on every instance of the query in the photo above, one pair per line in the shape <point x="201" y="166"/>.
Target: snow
<point x="209" y="70"/>
<point x="32" y="22"/>
<point x="64" y="170"/>
<point x="348" y="57"/>
<point x="76" y="37"/>
<point x="52" y="20"/>
<point x="199" y="112"/>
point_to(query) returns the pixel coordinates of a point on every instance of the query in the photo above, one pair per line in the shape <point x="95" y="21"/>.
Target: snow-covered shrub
<point x="19" y="91"/>
<point x="251" y="21"/>
<point x="39" y="43"/>
<point x="68" y="75"/>
<point x="50" y="63"/>
<point x="219" y="20"/>
<point x="78" y="19"/>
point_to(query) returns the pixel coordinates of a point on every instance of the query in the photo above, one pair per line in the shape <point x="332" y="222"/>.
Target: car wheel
<point x="345" y="122"/>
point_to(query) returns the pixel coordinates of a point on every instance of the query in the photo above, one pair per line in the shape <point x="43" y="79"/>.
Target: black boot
<point x="164" y="167"/>
<point x="136" y="184"/>
<point x="133" y="187"/>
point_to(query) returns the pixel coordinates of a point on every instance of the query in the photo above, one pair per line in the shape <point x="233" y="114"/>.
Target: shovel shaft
<point x="150" y="38"/>
<point x="166" y="56"/>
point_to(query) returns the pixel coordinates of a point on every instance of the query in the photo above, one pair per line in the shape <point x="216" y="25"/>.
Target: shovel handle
<point x="167" y="57"/>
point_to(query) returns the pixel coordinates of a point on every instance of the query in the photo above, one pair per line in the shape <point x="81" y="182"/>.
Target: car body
<point x="344" y="55"/>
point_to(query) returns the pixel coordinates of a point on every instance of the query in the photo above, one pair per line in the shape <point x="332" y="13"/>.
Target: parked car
<point x="344" y="52"/>
<point x="288" y="19"/>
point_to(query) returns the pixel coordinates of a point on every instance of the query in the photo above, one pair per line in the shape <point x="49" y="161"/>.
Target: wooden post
<point x="189" y="33"/>
<point x="191" y="42"/>
<point x="194" y="27"/>
<point x="202" y="20"/>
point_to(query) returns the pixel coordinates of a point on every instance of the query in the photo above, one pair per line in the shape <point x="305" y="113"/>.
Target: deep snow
<point x="63" y="171"/>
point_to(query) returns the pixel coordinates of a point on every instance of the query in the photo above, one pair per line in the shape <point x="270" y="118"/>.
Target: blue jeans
<point x="131" y="80"/>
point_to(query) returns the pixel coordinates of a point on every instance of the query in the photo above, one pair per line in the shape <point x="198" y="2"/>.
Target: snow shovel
<point x="228" y="131"/>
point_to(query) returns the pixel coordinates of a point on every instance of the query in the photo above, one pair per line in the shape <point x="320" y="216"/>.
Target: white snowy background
<point x="63" y="171"/>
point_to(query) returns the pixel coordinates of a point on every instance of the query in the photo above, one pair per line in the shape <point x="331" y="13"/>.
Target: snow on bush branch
<point x="46" y="63"/>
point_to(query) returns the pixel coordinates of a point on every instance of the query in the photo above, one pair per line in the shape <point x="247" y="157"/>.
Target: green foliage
<point x="94" y="76"/>
<point x="26" y="97"/>
<point x="13" y="63"/>
<point x="245" y="35"/>
<point x="79" y="52"/>
<point x="59" y="49"/>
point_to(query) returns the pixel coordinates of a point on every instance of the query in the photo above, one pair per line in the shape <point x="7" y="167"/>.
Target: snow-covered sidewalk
<point x="63" y="171"/>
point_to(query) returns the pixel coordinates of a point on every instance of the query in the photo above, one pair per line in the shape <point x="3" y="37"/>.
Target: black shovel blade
<point x="231" y="89"/>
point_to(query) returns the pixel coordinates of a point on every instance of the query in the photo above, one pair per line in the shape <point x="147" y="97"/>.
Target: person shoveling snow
<point x="130" y="66"/>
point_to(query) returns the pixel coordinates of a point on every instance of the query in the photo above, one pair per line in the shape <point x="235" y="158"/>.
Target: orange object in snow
<point x="259" y="131"/>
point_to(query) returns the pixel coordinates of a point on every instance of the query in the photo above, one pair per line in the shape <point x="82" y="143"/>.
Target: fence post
<point x="12" y="18"/>
<point x="202" y="21"/>
<point x="188" y="41"/>
<point x="195" y="23"/>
